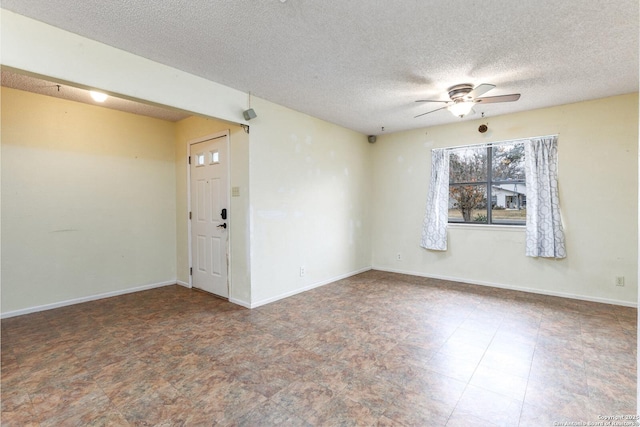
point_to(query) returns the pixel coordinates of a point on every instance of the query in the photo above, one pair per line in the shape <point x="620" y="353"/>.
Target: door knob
<point x="223" y="225"/>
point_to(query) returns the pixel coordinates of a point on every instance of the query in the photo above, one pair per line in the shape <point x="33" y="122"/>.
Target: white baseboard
<point x="313" y="286"/>
<point x="84" y="299"/>
<point x="513" y="288"/>
<point x="185" y="284"/>
<point x="240" y="302"/>
<point x="306" y="288"/>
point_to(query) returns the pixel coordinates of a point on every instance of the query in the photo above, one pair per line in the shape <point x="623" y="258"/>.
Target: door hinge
<point x="189" y="159"/>
<point x="190" y="271"/>
<point x="189" y="215"/>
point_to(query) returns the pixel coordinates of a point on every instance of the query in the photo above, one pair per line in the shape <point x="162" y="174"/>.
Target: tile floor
<point x="375" y="349"/>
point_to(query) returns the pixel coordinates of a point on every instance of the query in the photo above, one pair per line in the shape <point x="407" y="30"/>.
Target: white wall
<point x="598" y="169"/>
<point x="310" y="187"/>
<point x="88" y="201"/>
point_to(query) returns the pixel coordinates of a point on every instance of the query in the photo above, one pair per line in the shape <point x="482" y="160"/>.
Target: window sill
<point x="499" y="227"/>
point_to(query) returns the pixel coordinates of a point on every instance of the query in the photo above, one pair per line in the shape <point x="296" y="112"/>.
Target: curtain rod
<point x="486" y="144"/>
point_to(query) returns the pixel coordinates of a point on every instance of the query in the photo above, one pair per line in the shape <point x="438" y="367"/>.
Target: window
<point x="487" y="184"/>
<point x="214" y="157"/>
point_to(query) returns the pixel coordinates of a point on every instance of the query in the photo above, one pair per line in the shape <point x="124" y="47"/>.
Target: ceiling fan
<point x="465" y="96"/>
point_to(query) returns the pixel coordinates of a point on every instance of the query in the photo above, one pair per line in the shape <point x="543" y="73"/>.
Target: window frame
<point x="489" y="183"/>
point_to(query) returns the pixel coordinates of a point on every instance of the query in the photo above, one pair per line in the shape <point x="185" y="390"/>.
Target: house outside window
<point x="492" y="173"/>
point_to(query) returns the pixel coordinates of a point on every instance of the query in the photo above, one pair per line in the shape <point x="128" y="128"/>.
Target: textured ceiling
<point x="65" y="91"/>
<point x="362" y="64"/>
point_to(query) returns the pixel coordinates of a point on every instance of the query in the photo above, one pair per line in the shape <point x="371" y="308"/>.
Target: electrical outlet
<point x="302" y="271"/>
<point x="620" y="281"/>
<point x="399" y="257"/>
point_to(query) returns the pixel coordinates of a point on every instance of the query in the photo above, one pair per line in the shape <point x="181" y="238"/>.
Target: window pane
<point x="501" y="215"/>
<point x="508" y="162"/>
<point x="468" y="203"/>
<point x="508" y="202"/>
<point x="468" y="165"/>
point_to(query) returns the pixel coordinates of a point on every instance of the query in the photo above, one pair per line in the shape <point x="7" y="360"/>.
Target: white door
<point x="209" y="215"/>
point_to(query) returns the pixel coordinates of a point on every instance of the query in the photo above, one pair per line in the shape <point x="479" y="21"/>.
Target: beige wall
<point x="598" y="171"/>
<point x="114" y="175"/>
<point x="310" y="187"/>
<point x="88" y="201"/>
<point x="306" y="205"/>
<point x="197" y="127"/>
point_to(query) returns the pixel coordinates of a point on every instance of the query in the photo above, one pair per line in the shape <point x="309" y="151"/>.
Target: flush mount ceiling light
<point x="98" y="96"/>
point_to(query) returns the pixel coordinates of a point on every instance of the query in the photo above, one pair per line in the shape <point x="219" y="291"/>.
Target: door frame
<point x="222" y="134"/>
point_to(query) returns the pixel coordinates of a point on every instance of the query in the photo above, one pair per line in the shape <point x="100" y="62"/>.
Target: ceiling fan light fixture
<point x="460" y="108"/>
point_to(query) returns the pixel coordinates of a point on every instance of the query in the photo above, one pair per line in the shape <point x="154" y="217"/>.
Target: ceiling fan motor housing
<point x="459" y="91"/>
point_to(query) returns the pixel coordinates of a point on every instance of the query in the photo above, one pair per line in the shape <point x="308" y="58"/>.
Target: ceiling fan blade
<point x="479" y="90"/>
<point x="430" y="100"/>
<point x="429" y="112"/>
<point x="501" y="98"/>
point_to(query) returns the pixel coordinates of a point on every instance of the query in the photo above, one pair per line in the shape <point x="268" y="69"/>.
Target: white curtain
<point x="545" y="236"/>
<point x="434" y="226"/>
